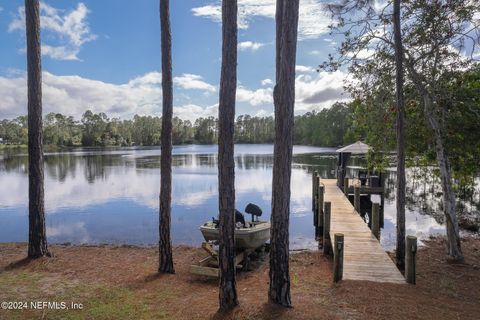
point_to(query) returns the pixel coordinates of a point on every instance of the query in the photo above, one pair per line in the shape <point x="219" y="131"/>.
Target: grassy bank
<point x="122" y="283"/>
<point x="13" y="146"/>
<point x="46" y="148"/>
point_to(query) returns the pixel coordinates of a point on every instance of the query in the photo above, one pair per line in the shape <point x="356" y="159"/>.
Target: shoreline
<point x="121" y="282"/>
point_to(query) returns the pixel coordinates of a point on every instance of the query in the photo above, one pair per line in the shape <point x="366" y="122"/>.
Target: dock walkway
<point x="364" y="257"/>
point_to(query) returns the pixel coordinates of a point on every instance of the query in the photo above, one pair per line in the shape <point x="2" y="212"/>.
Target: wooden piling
<point x="319" y="213"/>
<point x="382" y="210"/>
<point x="411" y="259"/>
<point x="338" y="258"/>
<point x="327" y="245"/>
<point x="320" y="197"/>
<point x="364" y="258"/>
<point x="356" y="198"/>
<point x="316" y="206"/>
<point x="375" y="225"/>
<point x="345" y="186"/>
<point x="314" y="190"/>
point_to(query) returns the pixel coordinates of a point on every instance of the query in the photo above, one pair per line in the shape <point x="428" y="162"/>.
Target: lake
<point x="110" y="195"/>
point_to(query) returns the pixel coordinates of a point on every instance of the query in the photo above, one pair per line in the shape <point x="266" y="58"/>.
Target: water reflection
<point x="111" y="195"/>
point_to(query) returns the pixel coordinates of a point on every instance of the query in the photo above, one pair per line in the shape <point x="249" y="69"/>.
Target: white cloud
<point x="266" y="82"/>
<point x="304" y="69"/>
<point x="213" y="12"/>
<point x="19" y="22"/>
<point x="263" y="113"/>
<point x="193" y="81"/>
<point x="379" y="5"/>
<point x="60" y="53"/>
<point x="319" y="91"/>
<point x="70" y="29"/>
<point x="362" y="54"/>
<point x="192" y="112"/>
<point x="250" y="45"/>
<point x="331" y="43"/>
<point x="313" y="91"/>
<point x="72" y="95"/>
<point x="255" y="97"/>
<point x="313" y="17"/>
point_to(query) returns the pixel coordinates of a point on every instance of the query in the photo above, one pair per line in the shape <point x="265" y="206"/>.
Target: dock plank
<point x="364" y="257"/>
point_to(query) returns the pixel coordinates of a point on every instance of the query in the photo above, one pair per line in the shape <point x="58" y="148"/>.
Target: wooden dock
<point x="364" y="257"/>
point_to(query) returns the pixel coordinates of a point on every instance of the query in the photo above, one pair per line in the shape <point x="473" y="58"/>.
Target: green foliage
<point x="328" y="127"/>
<point x="146" y="130"/>
<point x="206" y="130"/>
<point x="462" y="118"/>
<point x="61" y="130"/>
<point x="14" y="131"/>
<point x="325" y="128"/>
<point x="442" y="82"/>
<point x="250" y="129"/>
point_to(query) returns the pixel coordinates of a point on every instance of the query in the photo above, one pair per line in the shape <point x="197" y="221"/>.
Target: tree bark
<point x="37" y="238"/>
<point x="453" y="234"/>
<point x="284" y="101"/>
<point x="226" y="165"/>
<point x="400" y="101"/>
<point x="165" y="243"/>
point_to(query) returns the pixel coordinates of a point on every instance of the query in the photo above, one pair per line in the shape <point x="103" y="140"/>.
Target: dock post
<point x="382" y="210"/>
<point x="327" y="245"/>
<point x="356" y="198"/>
<point x="320" y="197"/>
<point x="338" y="258"/>
<point x="345" y="186"/>
<point x="375" y="224"/>
<point x="317" y="204"/>
<point x="411" y="259"/>
<point x="314" y="189"/>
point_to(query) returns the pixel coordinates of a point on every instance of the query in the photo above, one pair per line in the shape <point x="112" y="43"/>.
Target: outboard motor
<point x="239" y="218"/>
<point x="216" y="222"/>
<point x="254" y="210"/>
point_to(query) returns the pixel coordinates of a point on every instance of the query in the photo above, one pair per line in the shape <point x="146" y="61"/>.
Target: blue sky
<point x="105" y="56"/>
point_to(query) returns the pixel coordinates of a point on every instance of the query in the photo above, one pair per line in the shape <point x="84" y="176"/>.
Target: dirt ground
<point x="121" y="283"/>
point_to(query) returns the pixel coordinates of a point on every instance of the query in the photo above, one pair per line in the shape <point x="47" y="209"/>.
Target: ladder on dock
<point x="364" y="257"/>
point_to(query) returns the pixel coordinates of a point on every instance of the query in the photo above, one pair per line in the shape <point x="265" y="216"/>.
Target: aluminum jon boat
<point x="248" y="235"/>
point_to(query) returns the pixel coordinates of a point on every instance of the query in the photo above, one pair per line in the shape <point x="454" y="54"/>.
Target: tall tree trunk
<point x="226" y="165"/>
<point x="454" y="247"/>
<point x="37" y="238"/>
<point x="399" y="82"/>
<point x="453" y="234"/>
<point x="165" y="243"/>
<point x="284" y="101"/>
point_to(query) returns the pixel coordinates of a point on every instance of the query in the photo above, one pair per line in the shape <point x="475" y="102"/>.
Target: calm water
<point x="111" y="195"/>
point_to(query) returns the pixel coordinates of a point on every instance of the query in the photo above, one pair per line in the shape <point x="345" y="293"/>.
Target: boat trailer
<point x="208" y="266"/>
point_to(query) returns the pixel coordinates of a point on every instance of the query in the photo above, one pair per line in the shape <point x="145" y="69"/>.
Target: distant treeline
<point x="325" y="128"/>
